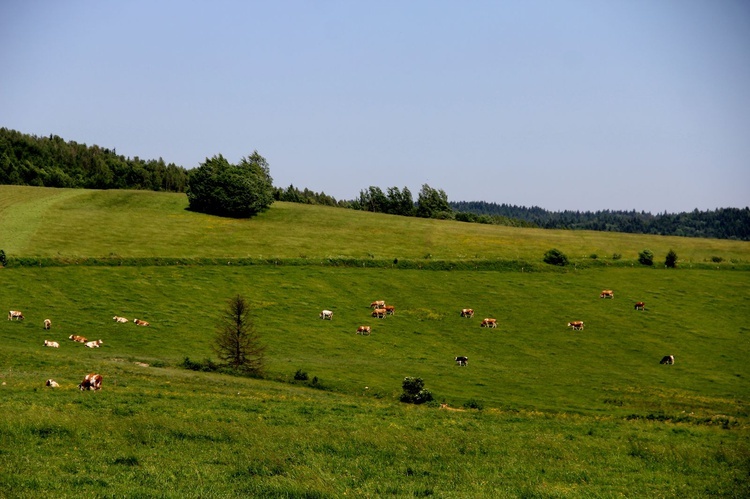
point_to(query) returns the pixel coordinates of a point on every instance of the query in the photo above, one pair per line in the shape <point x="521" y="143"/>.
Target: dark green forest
<point x="52" y="162"/>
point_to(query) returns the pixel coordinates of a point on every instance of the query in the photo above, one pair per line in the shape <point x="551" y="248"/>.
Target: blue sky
<point x="580" y="104"/>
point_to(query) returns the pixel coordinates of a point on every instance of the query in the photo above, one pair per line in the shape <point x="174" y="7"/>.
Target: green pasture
<point x="74" y="223"/>
<point x="540" y="411"/>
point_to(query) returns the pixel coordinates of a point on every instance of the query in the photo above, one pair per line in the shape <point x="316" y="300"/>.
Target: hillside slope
<point x="66" y="223"/>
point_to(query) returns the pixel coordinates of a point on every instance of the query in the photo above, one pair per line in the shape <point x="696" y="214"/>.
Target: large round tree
<point x="221" y="188"/>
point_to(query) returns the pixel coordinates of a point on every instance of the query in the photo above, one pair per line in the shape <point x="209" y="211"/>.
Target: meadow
<point x="540" y="411"/>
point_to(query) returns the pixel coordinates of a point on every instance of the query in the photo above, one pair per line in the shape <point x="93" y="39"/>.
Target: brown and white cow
<point x="139" y="322"/>
<point x="94" y="344"/>
<point x="92" y="381"/>
<point x="607" y="293"/>
<point x="379" y="313"/>
<point x="576" y="325"/>
<point x="489" y="323"/>
<point x="640" y="305"/>
<point x="467" y="312"/>
<point x="51" y="383"/>
<point x="119" y="319"/>
<point x="667" y="359"/>
<point x="326" y="314"/>
<point x="462" y="361"/>
<point x="79" y="339"/>
<point x="47" y="323"/>
<point x="15" y="314"/>
<point x="363" y="330"/>
<point x="52" y="344"/>
<point x="390" y="309"/>
<point x="377" y="304"/>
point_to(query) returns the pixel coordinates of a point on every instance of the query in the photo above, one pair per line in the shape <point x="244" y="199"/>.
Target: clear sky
<point x="562" y="104"/>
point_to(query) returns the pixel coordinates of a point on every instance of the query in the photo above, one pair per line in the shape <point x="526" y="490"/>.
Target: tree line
<point x="52" y="162"/>
<point x="721" y="223"/>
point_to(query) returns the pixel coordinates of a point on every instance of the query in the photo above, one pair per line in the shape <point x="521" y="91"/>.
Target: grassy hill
<point x="564" y="413"/>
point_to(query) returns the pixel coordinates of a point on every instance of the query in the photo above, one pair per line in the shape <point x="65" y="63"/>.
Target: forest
<point x="53" y="162"/>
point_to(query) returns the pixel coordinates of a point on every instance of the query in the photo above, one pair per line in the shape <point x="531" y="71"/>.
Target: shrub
<point x="616" y="256"/>
<point x="671" y="260"/>
<point x="206" y="366"/>
<point x="300" y="375"/>
<point x="414" y="391"/>
<point x="646" y="257"/>
<point x="555" y="257"/>
<point x="715" y="259"/>
<point x="593" y="256"/>
<point x="3" y="259"/>
<point x="473" y="404"/>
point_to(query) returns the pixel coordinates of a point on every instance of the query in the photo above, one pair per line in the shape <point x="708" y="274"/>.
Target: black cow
<point x="462" y="361"/>
<point x="667" y="359"/>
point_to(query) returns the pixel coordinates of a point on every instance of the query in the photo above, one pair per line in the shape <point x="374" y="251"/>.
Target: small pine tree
<point x="237" y="342"/>
<point x="671" y="260"/>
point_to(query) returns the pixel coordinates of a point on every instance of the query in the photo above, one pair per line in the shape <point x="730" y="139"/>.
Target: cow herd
<point x="92" y="381"/>
<point x="380" y="310"/>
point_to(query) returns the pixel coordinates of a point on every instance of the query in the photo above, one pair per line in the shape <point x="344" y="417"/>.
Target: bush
<point x="473" y="404"/>
<point x="220" y="188"/>
<point x="616" y="256"/>
<point x="300" y="375"/>
<point x="671" y="260"/>
<point x="555" y="257"/>
<point x="414" y="391"/>
<point x="206" y="366"/>
<point x="646" y="257"/>
<point x="3" y="259"/>
<point x="715" y="259"/>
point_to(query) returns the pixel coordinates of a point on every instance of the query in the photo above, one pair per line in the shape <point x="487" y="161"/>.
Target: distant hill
<point x="723" y="223"/>
<point x="53" y="162"/>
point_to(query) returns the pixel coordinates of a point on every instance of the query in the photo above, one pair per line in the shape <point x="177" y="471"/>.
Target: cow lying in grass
<point x="92" y="381"/>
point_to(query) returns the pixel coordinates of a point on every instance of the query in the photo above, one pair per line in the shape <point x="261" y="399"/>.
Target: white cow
<point x="15" y="314"/>
<point x="94" y="344"/>
<point x="47" y="323"/>
<point x="117" y="318"/>
<point x="326" y="314"/>
<point x="51" y="383"/>
<point x="52" y="344"/>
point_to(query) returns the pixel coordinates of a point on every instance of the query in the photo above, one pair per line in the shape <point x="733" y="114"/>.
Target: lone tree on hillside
<point x="237" y="342"/>
<point x="220" y="188"/>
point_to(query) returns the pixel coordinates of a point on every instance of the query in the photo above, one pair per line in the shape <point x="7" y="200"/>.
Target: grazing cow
<point x="576" y="325"/>
<point x="94" y="344"/>
<point x="51" y="383"/>
<point x="79" y="339"/>
<point x="640" y="306"/>
<point x="379" y="313"/>
<point x="92" y="381"/>
<point x="47" y="323"/>
<point x="52" y="344"/>
<point x="467" y="312"/>
<point x="117" y="318"/>
<point x="15" y="314"/>
<point x="607" y="293"/>
<point x="667" y="359"/>
<point x="139" y="322"/>
<point x="363" y="330"/>
<point x="377" y="304"/>
<point x="326" y="314"/>
<point x="489" y="323"/>
<point x="390" y="309"/>
<point x="462" y="361"/>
